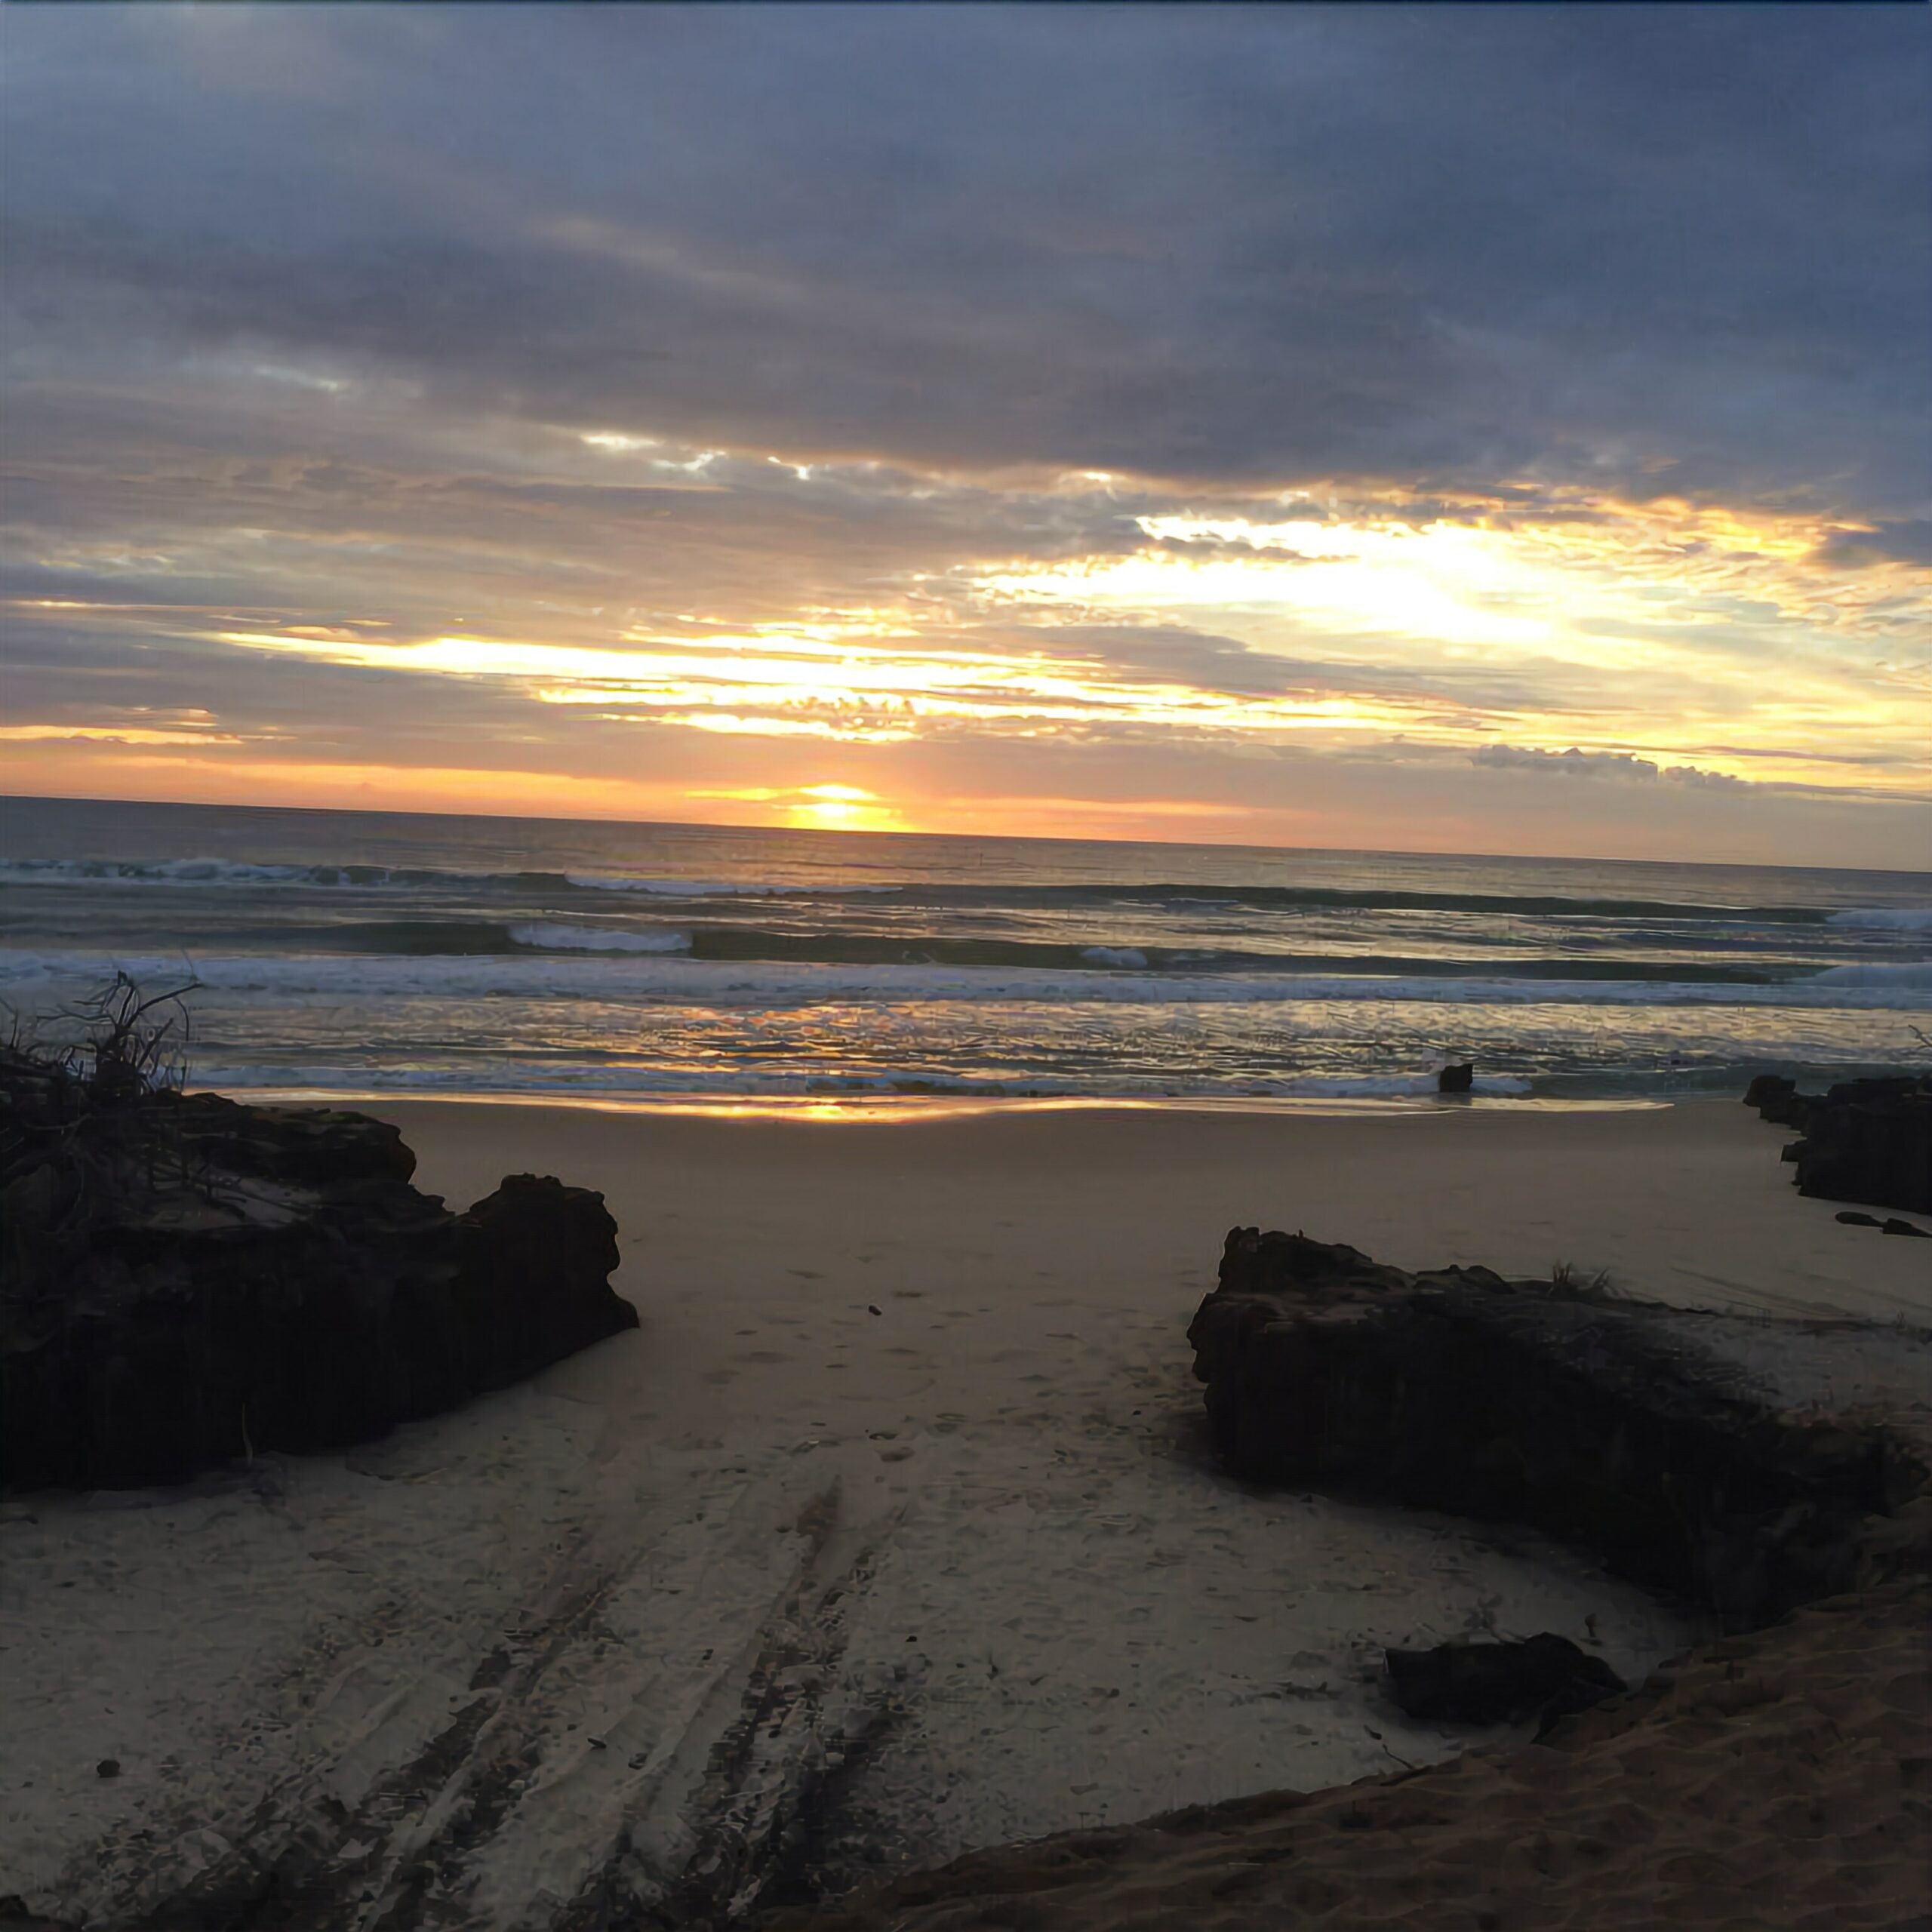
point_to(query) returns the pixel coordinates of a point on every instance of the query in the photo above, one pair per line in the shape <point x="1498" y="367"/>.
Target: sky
<point x="1478" y="429"/>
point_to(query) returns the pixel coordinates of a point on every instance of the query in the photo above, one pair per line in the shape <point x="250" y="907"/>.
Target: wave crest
<point x="633" y="973"/>
<point x="1886" y="918"/>
<point x="549" y="936"/>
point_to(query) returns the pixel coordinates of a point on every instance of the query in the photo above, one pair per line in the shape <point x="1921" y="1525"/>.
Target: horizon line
<point x="977" y="837"/>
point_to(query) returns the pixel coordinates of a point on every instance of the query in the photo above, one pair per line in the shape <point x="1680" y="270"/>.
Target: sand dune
<point x="1776" y="1780"/>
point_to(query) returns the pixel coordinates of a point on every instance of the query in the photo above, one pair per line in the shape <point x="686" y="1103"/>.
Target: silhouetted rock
<point x="1594" y="1420"/>
<point x="1777" y="1099"/>
<point x="1547" y="1675"/>
<point x="1870" y="1141"/>
<point x="1893" y="1225"/>
<point x="1456" y="1079"/>
<point x="189" y="1281"/>
<point x="1852" y="1220"/>
<point x="1867" y="1139"/>
<point x="316" y="1145"/>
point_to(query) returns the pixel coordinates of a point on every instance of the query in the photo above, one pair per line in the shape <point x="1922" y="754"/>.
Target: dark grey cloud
<point x="1612" y="768"/>
<point x="1908" y="543"/>
<point x="1676" y="249"/>
<point x="308" y="311"/>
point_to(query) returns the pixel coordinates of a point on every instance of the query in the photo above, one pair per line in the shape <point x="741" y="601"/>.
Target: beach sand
<point x="897" y="1496"/>
<point x="1775" y="1780"/>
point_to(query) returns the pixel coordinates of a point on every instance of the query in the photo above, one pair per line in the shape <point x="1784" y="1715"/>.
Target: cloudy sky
<point x="1494" y="429"/>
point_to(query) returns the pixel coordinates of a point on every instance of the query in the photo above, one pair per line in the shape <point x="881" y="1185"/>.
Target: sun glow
<point x="858" y="691"/>
<point x="1687" y="636"/>
<point x="114" y="735"/>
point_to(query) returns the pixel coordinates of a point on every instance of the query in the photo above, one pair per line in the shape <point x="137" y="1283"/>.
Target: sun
<point x="839" y="808"/>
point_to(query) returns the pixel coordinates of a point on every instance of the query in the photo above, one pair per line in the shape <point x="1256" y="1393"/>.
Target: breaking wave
<point x="1886" y="918"/>
<point x="1158" y="896"/>
<point x="687" y="888"/>
<point x="551" y="937"/>
<point x="650" y="971"/>
<point x="1906" y="975"/>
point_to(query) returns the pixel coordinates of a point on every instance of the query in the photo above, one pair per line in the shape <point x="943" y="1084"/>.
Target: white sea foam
<point x="238" y="871"/>
<point x="1886" y="918"/>
<point x="154" y="872"/>
<point x="1114" y="955"/>
<point x="664" y="979"/>
<point x="1905" y="974"/>
<point x="551" y="937"/>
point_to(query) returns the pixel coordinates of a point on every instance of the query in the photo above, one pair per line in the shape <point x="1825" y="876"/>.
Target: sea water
<point x="361" y="953"/>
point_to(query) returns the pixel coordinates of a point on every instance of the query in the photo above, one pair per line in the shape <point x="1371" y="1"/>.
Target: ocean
<point x="381" y="952"/>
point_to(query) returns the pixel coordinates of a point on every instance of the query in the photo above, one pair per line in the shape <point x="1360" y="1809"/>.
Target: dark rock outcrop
<point x="1545" y="1675"/>
<point x="1868" y="1140"/>
<point x="189" y="1281"/>
<point x="1590" y="1418"/>
<point x="1456" y="1079"/>
<point x="1777" y="1099"/>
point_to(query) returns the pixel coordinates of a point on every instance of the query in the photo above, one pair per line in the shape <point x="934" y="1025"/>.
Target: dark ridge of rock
<point x="1893" y="1225"/>
<point x="1777" y="1099"/>
<point x="1502" y="1683"/>
<point x="1870" y="1141"/>
<point x="1588" y="1417"/>
<point x="189" y="1281"/>
<point x="313" y="1145"/>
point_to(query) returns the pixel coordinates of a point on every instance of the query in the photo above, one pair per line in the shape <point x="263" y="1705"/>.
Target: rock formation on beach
<point x="1501" y="1683"/>
<point x="1534" y="1402"/>
<point x="189" y="1281"/>
<point x="1777" y="1777"/>
<point x="1864" y="1141"/>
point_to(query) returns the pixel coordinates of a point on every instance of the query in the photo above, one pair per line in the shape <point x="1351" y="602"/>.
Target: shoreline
<point x="913" y="1106"/>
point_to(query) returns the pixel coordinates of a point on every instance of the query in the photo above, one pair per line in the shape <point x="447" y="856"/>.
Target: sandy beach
<point x="897" y="1493"/>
